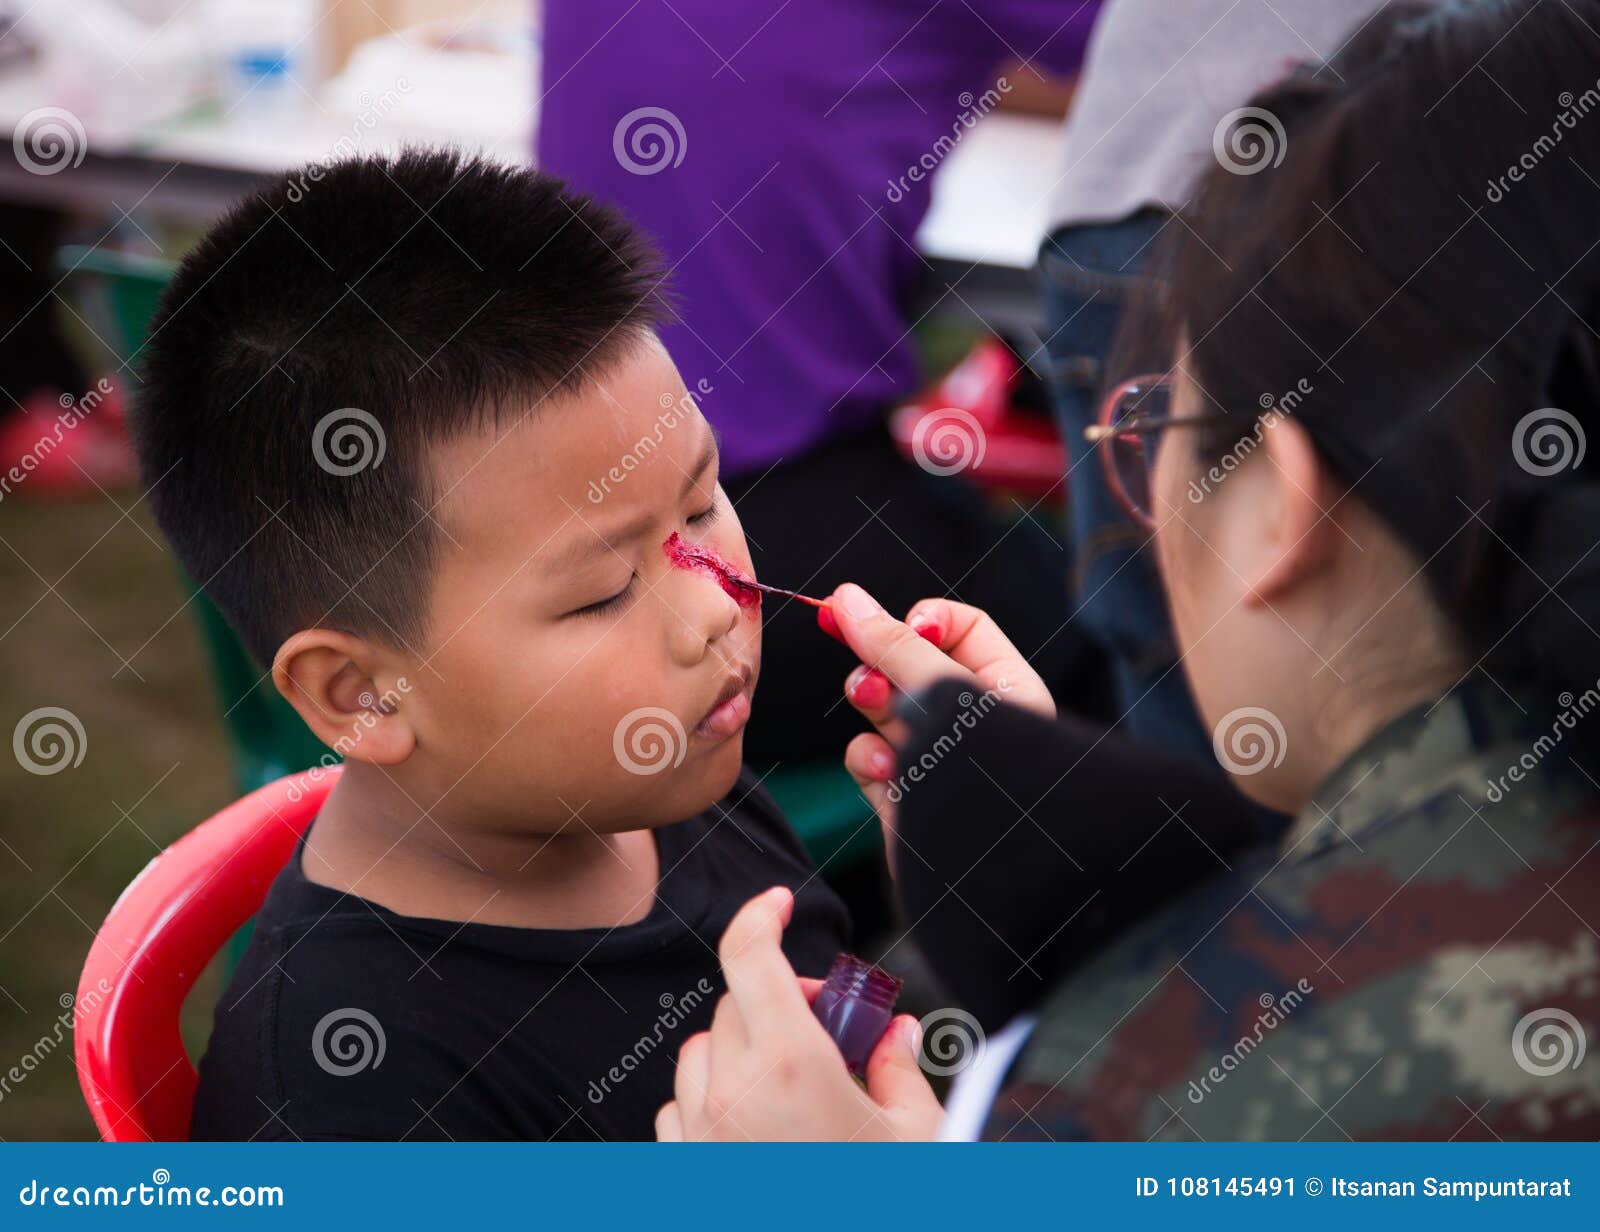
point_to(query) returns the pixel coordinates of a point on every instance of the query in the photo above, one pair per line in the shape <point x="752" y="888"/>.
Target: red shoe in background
<point x="56" y="445"/>
<point x="971" y="422"/>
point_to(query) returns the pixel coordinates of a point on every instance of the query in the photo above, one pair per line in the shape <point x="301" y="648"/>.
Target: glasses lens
<point x="1133" y="453"/>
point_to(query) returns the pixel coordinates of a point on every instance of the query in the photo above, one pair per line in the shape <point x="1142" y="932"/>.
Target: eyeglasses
<point x="1130" y="418"/>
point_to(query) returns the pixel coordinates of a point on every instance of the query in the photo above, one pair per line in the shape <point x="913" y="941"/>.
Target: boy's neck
<point x="373" y="841"/>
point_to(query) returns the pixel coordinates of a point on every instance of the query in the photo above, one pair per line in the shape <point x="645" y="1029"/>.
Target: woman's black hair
<point x="1408" y="237"/>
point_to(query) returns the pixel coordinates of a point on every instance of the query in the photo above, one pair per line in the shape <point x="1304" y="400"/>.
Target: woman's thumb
<point x="894" y="1072"/>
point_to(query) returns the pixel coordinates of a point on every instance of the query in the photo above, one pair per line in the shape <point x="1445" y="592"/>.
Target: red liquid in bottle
<point x="856" y="1005"/>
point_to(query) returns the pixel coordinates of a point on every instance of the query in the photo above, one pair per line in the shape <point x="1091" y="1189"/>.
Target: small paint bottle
<point x="856" y="1005"/>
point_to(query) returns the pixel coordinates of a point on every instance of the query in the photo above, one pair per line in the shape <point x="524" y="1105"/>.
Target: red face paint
<point x="742" y="589"/>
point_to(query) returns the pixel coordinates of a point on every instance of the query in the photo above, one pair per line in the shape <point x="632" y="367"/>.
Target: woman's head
<point x="1373" y="329"/>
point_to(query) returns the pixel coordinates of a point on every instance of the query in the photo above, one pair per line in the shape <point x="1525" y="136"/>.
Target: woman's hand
<point x="938" y="640"/>
<point x="767" y="1070"/>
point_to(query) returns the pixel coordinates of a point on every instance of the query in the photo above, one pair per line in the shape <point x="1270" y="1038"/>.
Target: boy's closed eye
<point x="618" y="600"/>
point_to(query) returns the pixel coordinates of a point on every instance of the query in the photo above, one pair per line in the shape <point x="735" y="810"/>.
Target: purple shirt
<point x="774" y="167"/>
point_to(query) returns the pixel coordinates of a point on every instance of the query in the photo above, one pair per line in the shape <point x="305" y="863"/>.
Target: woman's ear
<point x="1298" y="529"/>
<point x="343" y="689"/>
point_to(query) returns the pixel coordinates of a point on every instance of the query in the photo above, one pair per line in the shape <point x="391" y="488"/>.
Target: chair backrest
<point x="158" y="938"/>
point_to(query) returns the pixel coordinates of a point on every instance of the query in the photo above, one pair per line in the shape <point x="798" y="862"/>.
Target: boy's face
<point x="576" y="678"/>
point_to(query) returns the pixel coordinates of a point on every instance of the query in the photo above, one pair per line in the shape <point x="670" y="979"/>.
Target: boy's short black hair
<point x="325" y="333"/>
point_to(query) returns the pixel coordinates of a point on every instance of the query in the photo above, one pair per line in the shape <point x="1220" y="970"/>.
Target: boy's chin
<point x="687" y="791"/>
<point x="708" y="778"/>
<point x="722" y="768"/>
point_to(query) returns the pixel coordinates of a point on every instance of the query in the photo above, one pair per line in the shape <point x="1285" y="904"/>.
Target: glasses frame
<point x="1103" y="431"/>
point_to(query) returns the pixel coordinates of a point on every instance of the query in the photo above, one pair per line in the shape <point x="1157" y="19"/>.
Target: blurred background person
<point x="767" y="147"/>
<point x="1161" y="101"/>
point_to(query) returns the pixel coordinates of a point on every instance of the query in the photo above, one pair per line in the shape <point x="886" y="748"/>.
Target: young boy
<point x="409" y="424"/>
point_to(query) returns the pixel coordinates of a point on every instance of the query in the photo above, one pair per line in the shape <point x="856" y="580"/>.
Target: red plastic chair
<point x="158" y="938"/>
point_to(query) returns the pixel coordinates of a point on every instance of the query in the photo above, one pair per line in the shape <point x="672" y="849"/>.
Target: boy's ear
<point x="349" y="699"/>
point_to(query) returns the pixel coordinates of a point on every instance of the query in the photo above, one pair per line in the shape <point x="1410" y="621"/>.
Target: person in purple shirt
<point x="766" y="146"/>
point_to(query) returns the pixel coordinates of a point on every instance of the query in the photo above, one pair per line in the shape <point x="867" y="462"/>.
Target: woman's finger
<point x="894" y="1074"/>
<point x="869" y="691"/>
<point x="726" y="1026"/>
<point x="728" y="1050"/>
<point x="759" y="977"/>
<point x="910" y="661"/>
<point x="971" y="638"/>
<point x="870" y="761"/>
<point x="692" y="1083"/>
<point x="669" y="1123"/>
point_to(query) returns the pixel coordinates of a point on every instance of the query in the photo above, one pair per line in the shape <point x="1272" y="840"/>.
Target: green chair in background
<point x="266" y="737"/>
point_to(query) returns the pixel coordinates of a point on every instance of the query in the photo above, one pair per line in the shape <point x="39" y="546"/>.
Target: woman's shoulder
<point x="1427" y="975"/>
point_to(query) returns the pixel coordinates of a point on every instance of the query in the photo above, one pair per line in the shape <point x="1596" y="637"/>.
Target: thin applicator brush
<point x="688" y="555"/>
<point x="752" y="584"/>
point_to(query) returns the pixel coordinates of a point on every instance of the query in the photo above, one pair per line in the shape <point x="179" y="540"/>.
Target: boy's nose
<point x="705" y="612"/>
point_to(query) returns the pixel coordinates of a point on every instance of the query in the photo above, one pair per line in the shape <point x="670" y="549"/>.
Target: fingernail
<point x="911" y="1032"/>
<point x="870" y="690"/>
<point x="882" y="764"/>
<point x="858" y="602"/>
<point x="829" y="624"/>
<point x="926" y="628"/>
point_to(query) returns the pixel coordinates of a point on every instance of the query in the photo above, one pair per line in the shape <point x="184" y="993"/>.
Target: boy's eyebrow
<point x="579" y="550"/>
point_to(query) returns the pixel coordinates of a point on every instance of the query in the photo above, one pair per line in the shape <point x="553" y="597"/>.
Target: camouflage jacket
<point x="1418" y="958"/>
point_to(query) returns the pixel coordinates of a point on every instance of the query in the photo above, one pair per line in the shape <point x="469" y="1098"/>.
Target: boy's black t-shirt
<point x="347" y="1020"/>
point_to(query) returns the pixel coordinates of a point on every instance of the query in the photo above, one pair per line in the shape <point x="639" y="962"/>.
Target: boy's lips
<point x="731" y="710"/>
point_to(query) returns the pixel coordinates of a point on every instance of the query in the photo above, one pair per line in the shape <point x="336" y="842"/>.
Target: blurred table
<point x="980" y="235"/>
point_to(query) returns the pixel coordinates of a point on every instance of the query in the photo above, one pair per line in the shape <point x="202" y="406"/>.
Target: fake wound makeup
<point x="740" y="586"/>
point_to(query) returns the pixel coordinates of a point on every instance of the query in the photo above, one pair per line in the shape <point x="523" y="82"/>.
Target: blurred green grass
<point x="83" y="589"/>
